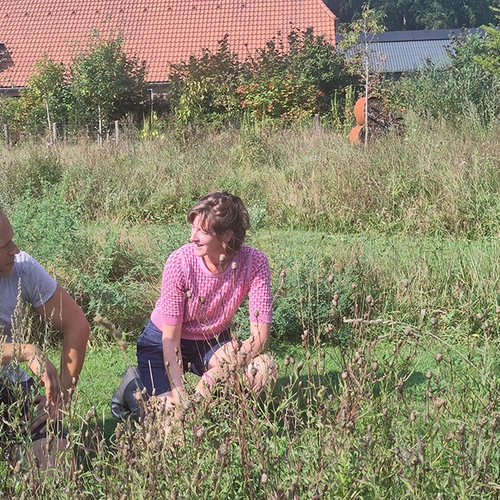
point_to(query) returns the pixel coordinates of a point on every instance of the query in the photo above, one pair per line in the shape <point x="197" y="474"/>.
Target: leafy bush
<point x="288" y="80"/>
<point x="203" y="89"/>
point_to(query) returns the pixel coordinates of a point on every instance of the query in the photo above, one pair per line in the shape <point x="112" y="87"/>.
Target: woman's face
<point x="205" y="243"/>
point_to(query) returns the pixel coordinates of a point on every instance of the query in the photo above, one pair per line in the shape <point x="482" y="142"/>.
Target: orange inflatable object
<point x="359" y="111"/>
<point x="354" y="134"/>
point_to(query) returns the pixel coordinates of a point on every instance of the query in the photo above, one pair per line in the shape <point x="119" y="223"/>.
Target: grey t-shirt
<point x="29" y="283"/>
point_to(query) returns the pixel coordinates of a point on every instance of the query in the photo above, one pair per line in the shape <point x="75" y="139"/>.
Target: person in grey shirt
<point x="24" y="282"/>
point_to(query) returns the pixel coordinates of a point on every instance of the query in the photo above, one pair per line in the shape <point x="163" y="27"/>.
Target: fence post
<point x="6" y="133"/>
<point x="317" y="125"/>
<point x="54" y="132"/>
<point x="117" y="132"/>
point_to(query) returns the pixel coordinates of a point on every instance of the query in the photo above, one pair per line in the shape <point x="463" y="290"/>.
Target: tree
<point x="47" y="86"/>
<point x="293" y="77"/>
<point x="106" y="83"/>
<point x="490" y="61"/>
<point x="425" y="14"/>
<point x="357" y="46"/>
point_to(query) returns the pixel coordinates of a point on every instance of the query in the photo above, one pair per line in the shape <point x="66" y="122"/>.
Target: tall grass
<point x="437" y="179"/>
<point x="385" y="275"/>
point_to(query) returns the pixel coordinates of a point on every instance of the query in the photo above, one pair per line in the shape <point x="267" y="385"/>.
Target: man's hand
<point x="41" y="414"/>
<point x="40" y="365"/>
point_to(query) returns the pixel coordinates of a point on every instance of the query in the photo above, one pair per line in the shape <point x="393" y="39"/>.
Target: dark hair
<point x="220" y="212"/>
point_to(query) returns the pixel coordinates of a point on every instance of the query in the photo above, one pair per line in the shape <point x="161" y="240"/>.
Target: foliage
<point x="287" y="97"/>
<point x="299" y="75"/>
<point x="489" y="60"/>
<point x="45" y="101"/>
<point x="204" y="89"/>
<point x="388" y="381"/>
<point x="288" y="80"/>
<point x="106" y="84"/>
<point x="402" y="15"/>
<point x="464" y="89"/>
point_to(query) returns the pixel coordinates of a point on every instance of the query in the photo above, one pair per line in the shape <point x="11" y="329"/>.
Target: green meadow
<point x="385" y="275"/>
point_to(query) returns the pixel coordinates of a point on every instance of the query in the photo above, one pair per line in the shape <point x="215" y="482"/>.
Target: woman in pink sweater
<point x="204" y="282"/>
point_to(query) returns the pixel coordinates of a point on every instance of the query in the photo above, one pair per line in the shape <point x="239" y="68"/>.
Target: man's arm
<point x="65" y="315"/>
<point x="38" y="363"/>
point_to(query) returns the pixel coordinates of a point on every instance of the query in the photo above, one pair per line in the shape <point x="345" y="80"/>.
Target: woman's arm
<point x="172" y="357"/>
<point x="257" y="342"/>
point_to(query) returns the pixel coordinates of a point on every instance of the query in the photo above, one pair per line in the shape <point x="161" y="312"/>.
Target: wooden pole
<point x="117" y="132"/>
<point x="6" y="133"/>
<point x="317" y="125"/>
<point x="54" y="132"/>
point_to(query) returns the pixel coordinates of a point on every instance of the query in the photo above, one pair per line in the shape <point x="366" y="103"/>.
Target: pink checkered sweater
<point x="205" y="303"/>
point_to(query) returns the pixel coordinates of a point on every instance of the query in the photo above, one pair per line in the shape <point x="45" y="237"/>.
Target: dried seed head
<point x="222" y="258"/>
<point x="234" y="266"/>
<point x="439" y="357"/>
<point x="405" y="283"/>
<point x="264" y="478"/>
<point x="344" y="375"/>
<point x="201" y="299"/>
<point x="482" y="421"/>
<point x="494" y="423"/>
<point x="433" y="320"/>
<point x="353" y="286"/>
<point x="439" y="402"/>
<point x="428" y="375"/>
<point x="223" y="450"/>
<point x="375" y="366"/>
<point x="283" y="274"/>
<point x="189" y="294"/>
<point x="413" y="416"/>
<point x="336" y="296"/>
<point x="256" y="313"/>
<point x="300" y="366"/>
<point x="331" y="278"/>
<point x="287" y="361"/>
<point x="369" y="300"/>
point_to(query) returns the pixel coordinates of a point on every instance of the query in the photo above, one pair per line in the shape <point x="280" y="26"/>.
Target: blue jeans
<point x="196" y="355"/>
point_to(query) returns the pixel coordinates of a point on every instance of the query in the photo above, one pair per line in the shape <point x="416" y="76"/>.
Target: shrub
<point x="203" y="89"/>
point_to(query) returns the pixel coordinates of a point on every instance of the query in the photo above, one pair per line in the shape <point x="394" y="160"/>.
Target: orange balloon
<point x="359" y="111"/>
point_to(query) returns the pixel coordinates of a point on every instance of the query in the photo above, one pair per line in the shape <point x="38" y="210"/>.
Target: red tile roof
<point x="160" y="32"/>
